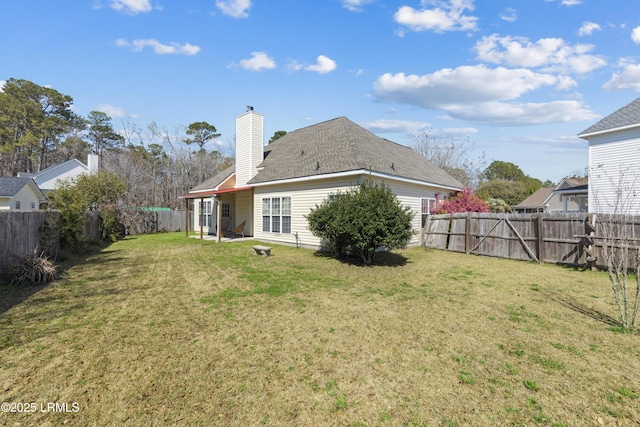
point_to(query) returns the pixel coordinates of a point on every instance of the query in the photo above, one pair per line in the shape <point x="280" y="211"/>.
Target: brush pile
<point x="33" y="270"/>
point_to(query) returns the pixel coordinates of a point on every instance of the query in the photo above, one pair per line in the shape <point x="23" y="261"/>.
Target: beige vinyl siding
<point x="613" y="160"/>
<point x="5" y="203"/>
<point x="411" y="195"/>
<point x="27" y="197"/>
<point x="305" y="196"/>
<point x="243" y="211"/>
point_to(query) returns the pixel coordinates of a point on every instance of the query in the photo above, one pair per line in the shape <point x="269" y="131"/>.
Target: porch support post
<point x="219" y="219"/>
<point x="186" y="220"/>
<point x="201" y="217"/>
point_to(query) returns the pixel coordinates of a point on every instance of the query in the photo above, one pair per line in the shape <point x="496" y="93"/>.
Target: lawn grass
<point x="162" y="329"/>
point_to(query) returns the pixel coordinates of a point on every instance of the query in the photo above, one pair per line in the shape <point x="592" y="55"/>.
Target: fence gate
<point x="555" y="237"/>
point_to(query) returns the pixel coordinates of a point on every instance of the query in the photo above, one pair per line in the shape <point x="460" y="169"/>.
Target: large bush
<point x="463" y="201"/>
<point x="74" y="197"/>
<point x="361" y="220"/>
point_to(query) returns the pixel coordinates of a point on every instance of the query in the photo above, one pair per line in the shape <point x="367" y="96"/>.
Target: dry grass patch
<point x="167" y="330"/>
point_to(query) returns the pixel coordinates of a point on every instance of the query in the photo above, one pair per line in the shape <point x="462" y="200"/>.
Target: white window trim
<point x="281" y="216"/>
<point x="430" y="204"/>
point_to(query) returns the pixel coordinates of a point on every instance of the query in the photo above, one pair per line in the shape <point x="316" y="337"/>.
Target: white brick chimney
<point x="249" y="145"/>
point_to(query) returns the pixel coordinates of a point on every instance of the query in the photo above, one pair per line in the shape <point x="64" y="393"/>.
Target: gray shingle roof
<point x="10" y="185"/>
<point x="212" y="183"/>
<point x="537" y="199"/>
<point x="628" y="115"/>
<point x="340" y="145"/>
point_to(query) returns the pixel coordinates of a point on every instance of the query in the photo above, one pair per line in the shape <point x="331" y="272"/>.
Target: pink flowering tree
<point x="463" y="201"/>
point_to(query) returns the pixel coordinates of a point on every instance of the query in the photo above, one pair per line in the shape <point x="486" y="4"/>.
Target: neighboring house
<point x="568" y="196"/>
<point x="540" y="201"/>
<point x="19" y="194"/>
<point x="48" y="178"/>
<point x="271" y="189"/>
<point x="614" y="155"/>
<point x="573" y="194"/>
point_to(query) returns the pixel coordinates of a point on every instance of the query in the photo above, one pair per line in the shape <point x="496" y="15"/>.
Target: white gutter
<point x="353" y="173"/>
<point x="587" y="135"/>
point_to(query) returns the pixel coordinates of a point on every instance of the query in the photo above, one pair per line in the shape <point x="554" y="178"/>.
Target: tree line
<point x="38" y="129"/>
<point x="500" y="184"/>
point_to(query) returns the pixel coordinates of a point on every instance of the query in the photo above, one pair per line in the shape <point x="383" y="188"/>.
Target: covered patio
<point x="233" y="208"/>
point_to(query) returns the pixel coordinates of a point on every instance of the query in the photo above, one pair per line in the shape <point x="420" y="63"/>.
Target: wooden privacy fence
<point x="23" y="232"/>
<point x="159" y="222"/>
<point x="554" y="238"/>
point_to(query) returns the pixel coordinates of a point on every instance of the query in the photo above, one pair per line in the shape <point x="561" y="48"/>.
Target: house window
<point x="205" y="208"/>
<point x="17" y="205"/>
<point x="428" y="204"/>
<point x="276" y="215"/>
<point x="33" y="205"/>
<point x="226" y="210"/>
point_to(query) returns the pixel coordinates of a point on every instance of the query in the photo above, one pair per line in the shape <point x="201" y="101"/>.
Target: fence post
<point x="592" y="249"/>
<point x="540" y="224"/>
<point x="468" y="243"/>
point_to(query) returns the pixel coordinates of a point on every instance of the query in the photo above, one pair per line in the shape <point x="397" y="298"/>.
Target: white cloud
<point x="258" y="61"/>
<point x="588" y="28"/>
<point x="113" y="112"/>
<point x="294" y="65"/>
<point x="355" y="5"/>
<point x="394" y="126"/>
<point x="509" y="15"/>
<point x="446" y="16"/>
<point x="629" y="78"/>
<point x="479" y="94"/>
<point x="2" y="83"/>
<point x="522" y="114"/>
<point x="323" y="66"/>
<point x="635" y="35"/>
<point x="462" y="85"/>
<point x="551" y="54"/>
<point x="159" y="48"/>
<point x="235" y="8"/>
<point x="568" y="2"/>
<point x="131" y="7"/>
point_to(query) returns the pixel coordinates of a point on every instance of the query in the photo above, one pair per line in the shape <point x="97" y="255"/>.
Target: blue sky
<point x="519" y="78"/>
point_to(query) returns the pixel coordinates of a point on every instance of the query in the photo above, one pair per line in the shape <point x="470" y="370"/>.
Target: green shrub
<point x="361" y="220"/>
<point x="74" y="197"/>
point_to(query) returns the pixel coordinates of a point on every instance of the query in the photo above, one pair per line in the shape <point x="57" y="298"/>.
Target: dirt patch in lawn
<point x="168" y="330"/>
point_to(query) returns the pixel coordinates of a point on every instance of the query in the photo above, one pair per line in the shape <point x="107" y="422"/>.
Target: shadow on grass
<point x="574" y="305"/>
<point x="12" y="295"/>
<point x="382" y="259"/>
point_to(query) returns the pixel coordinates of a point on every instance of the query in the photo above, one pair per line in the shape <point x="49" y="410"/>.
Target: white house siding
<point x="613" y="160"/>
<point x="306" y="195"/>
<point x="5" y="204"/>
<point x="196" y="215"/>
<point x="48" y="180"/>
